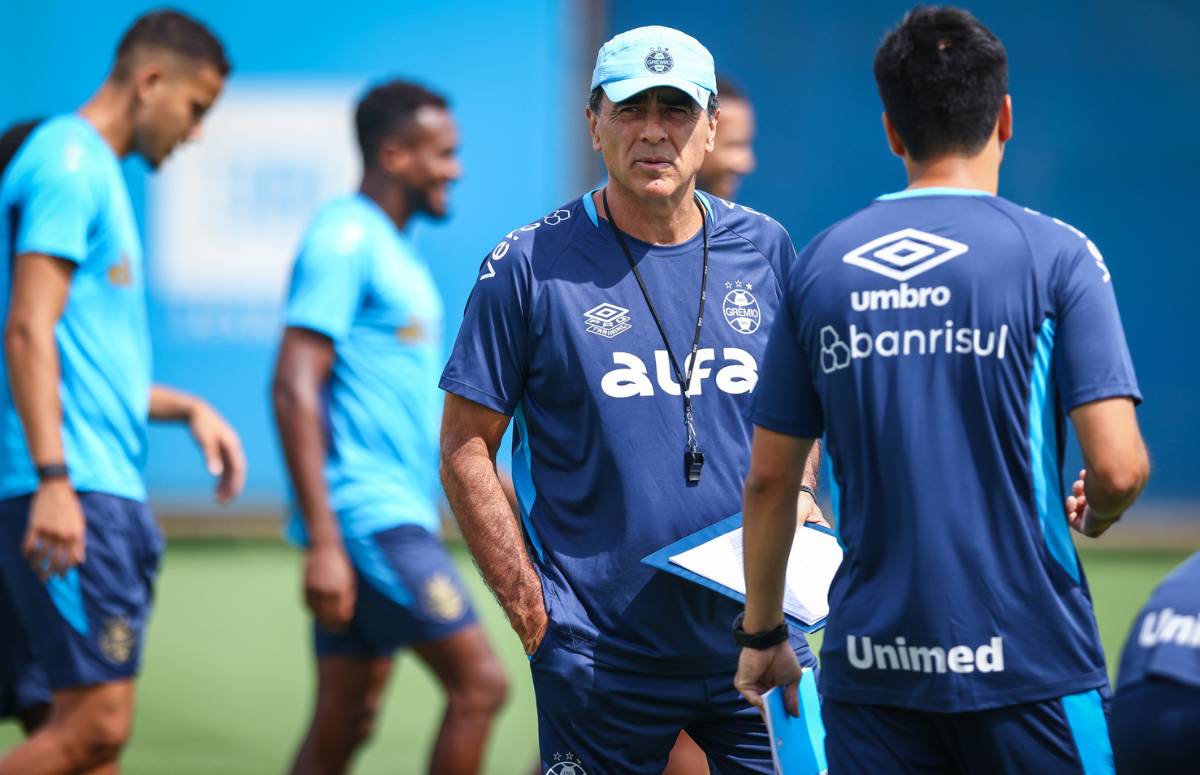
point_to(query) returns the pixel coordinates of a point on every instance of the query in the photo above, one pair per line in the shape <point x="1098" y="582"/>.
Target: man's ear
<point x="1004" y="122"/>
<point x="712" y="130"/>
<point x="592" y="119"/>
<point x="893" y="137"/>
<point x="148" y="77"/>
<point x="395" y="157"/>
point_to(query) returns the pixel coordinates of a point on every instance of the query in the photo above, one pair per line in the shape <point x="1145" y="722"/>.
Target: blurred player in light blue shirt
<point x="358" y="410"/>
<point x="76" y="395"/>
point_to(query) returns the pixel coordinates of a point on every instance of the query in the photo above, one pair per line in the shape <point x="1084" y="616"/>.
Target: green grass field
<point x="228" y="678"/>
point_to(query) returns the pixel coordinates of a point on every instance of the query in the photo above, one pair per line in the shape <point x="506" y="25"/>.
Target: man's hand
<point x="807" y="510"/>
<point x="329" y="586"/>
<point x="760" y="670"/>
<point x="54" y="540"/>
<point x="1077" y="503"/>
<point x="222" y="450"/>
<point x="530" y="623"/>
<point x="1081" y="518"/>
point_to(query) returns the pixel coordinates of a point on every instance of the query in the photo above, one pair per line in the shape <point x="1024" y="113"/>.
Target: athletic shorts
<point x="1068" y="735"/>
<point x="86" y="627"/>
<point x="22" y="680"/>
<point x="597" y="720"/>
<point x="1156" y="727"/>
<point x="408" y="592"/>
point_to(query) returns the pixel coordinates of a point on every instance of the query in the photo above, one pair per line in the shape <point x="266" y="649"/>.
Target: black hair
<point x="176" y="32"/>
<point x="593" y="102"/>
<point x="388" y="109"/>
<point x="943" y="77"/>
<point x="730" y="90"/>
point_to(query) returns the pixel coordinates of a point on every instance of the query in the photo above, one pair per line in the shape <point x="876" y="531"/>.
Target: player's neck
<point x="659" y="221"/>
<point x="980" y="172"/>
<point x="389" y="197"/>
<point x="110" y="111"/>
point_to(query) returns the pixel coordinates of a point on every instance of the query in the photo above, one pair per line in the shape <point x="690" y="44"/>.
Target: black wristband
<point x="52" y="471"/>
<point x="809" y="490"/>
<point x="758" y="640"/>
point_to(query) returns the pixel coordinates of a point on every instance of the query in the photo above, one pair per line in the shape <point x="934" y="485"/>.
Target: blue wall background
<point x="1104" y="93"/>
<point x="1105" y="102"/>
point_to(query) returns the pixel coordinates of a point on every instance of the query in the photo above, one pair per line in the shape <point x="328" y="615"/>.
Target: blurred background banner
<point x="1104" y="97"/>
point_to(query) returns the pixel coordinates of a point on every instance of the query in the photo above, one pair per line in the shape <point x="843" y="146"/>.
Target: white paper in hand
<point x="814" y="559"/>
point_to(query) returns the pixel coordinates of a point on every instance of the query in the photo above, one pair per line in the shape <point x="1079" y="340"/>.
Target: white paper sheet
<point x="814" y="559"/>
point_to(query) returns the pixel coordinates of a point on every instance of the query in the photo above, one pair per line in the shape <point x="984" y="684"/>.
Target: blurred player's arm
<point x="218" y="441"/>
<point x="1116" y="465"/>
<point x="471" y="436"/>
<point x="777" y="469"/>
<point x="54" y="541"/>
<point x="303" y="368"/>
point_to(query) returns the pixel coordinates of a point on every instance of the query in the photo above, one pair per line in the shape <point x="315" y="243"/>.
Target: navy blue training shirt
<point x="937" y="338"/>
<point x="1165" y="641"/>
<point x="558" y="335"/>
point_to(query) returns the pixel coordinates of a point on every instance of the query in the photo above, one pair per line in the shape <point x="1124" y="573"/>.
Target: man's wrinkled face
<point x="653" y="143"/>
<point x="732" y="157"/>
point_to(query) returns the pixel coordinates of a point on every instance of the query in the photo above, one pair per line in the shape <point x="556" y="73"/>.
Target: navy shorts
<point x="86" y="627"/>
<point x="1156" y="727"/>
<point x="599" y="720"/>
<point x="22" y="680"/>
<point x="408" y="592"/>
<point x="1064" y="735"/>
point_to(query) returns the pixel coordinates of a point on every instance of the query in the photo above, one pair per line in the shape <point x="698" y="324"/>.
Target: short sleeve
<point x="488" y="362"/>
<point x="786" y="399"/>
<point x="60" y="203"/>
<point x="1091" y="357"/>
<point x="328" y="280"/>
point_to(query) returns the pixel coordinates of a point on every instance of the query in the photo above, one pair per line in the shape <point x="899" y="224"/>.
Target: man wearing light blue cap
<point x="581" y="332"/>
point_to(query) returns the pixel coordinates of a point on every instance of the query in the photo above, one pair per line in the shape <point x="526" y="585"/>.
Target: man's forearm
<point x="31" y="354"/>
<point x="812" y="467"/>
<point x="768" y="526"/>
<point x="490" y="529"/>
<point x="168" y="404"/>
<point x="302" y="436"/>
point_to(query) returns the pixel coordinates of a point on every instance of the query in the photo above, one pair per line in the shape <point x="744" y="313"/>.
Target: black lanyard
<point x="693" y="458"/>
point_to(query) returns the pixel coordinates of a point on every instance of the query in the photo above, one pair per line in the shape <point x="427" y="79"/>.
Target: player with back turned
<point x="77" y="393"/>
<point x="939" y="338"/>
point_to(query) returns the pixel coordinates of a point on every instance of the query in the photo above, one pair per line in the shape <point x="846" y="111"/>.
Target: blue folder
<point x="662" y="561"/>
<point x="797" y="743"/>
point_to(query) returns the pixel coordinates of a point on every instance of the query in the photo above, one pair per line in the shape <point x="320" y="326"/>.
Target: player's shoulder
<point x="342" y="225"/>
<point x="538" y="243"/>
<point x="754" y="226"/>
<point x="64" y="146"/>
<point x="1047" y="228"/>
<point x="1186" y="575"/>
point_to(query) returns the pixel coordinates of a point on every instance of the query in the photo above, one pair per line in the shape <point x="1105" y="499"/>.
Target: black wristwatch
<point x="52" y="471"/>
<point x="758" y="640"/>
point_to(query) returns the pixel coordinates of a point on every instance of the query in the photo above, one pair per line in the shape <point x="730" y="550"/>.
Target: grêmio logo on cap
<point x="659" y="60"/>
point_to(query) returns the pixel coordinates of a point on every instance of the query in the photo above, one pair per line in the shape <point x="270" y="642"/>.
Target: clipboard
<point x="661" y="560"/>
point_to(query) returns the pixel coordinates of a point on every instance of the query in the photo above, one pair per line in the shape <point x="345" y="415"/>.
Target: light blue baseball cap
<point x="647" y="57"/>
